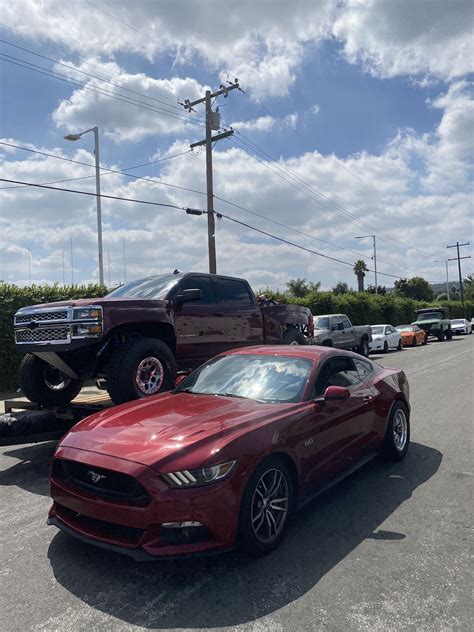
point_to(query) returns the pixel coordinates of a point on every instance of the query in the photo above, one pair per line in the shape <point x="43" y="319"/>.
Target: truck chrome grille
<point x="42" y="334"/>
<point x="40" y="316"/>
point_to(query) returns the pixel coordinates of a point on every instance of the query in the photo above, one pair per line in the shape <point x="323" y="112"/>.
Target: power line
<point x="88" y="74"/>
<point x="85" y="86"/>
<point x="102" y="195"/>
<point x="103" y="172"/>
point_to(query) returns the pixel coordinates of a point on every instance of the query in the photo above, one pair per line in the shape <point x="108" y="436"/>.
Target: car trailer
<point x="27" y="422"/>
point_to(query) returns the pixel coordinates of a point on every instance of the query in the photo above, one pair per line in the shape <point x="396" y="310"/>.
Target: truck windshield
<point x="430" y="316"/>
<point x="321" y="323"/>
<point x="265" y="378"/>
<point x="152" y="287"/>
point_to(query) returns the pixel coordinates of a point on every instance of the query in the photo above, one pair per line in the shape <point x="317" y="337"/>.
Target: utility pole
<point x="72" y="266"/>
<point x="64" y="279"/>
<point x="374" y="258"/>
<point x="29" y="266"/>
<point x="124" y="262"/>
<point x="445" y="261"/>
<point x="212" y="123"/>
<point x="457" y="245"/>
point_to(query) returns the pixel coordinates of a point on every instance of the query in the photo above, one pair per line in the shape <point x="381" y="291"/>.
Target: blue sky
<point x="367" y="104"/>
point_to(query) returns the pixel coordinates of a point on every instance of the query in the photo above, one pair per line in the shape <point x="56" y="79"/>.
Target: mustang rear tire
<point x="293" y="336"/>
<point x="266" y="506"/>
<point x="397" y="435"/>
<point x="138" y="368"/>
<point x="45" y="385"/>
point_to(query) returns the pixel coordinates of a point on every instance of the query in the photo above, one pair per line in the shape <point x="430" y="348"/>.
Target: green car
<point x="435" y="321"/>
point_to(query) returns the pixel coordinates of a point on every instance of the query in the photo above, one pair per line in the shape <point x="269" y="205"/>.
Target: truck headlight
<point x="87" y="329"/>
<point x="87" y="313"/>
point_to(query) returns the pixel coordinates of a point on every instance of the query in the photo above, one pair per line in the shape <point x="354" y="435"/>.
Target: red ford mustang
<point x="227" y="456"/>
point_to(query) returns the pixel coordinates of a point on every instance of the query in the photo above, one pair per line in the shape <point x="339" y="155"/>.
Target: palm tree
<point x="359" y="270"/>
<point x="298" y="287"/>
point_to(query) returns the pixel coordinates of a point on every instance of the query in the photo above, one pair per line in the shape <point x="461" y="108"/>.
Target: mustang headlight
<point x="201" y="476"/>
<point x="87" y="313"/>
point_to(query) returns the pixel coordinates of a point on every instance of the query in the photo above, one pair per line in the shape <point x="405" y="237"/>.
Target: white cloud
<point x="261" y="124"/>
<point x="291" y="120"/>
<point x="315" y="109"/>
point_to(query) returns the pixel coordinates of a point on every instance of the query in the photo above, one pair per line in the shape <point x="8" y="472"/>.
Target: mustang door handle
<point x="368" y="398"/>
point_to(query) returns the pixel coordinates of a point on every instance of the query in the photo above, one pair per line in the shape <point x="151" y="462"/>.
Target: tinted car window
<point x="346" y="322"/>
<point x="157" y="287"/>
<point x="364" y="369"/>
<point x="232" y="291"/>
<point x="321" y="323"/>
<point x="336" y="372"/>
<point x="199" y="283"/>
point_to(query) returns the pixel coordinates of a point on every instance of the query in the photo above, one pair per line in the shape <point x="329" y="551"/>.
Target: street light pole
<point x="445" y="261"/>
<point x="374" y="258"/>
<point x="74" y="137"/>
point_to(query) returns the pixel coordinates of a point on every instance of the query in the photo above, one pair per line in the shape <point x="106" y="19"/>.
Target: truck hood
<point x="158" y="429"/>
<point x="105" y="301"/>
<point x="433" y="321"/>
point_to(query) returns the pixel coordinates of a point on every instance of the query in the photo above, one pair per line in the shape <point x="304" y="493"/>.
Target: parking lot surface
<point x="386" y="549"/>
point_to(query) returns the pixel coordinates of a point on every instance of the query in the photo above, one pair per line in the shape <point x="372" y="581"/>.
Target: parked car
<point x="136" y="338"/>
<point x="461" y="326"/>
<point x="336" y="330"/>
<point x="385" y="337"/>
<point x="434" y="322"/>
<point x="226" y="457"/>
<point x="412" y="335"/>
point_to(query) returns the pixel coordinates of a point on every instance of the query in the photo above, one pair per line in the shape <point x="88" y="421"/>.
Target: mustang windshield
<point x="264" y="378"/>
<point x="404" y="328"/>
<point x="156" y="287"/>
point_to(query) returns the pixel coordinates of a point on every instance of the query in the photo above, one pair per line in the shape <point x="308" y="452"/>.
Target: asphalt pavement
<point x="388" y="549"/>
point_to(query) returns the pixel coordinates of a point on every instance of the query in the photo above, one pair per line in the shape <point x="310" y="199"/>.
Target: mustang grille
<point x="101" y="482"/>
<point x="40" y="316"/>
<point x="42" y="334"/>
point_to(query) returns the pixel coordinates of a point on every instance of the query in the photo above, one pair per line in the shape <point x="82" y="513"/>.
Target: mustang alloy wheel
<point x="266" y="506"/>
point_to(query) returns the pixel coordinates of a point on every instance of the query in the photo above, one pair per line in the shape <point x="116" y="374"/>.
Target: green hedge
<point x="361" y="308"/>
<point x="11" y="299"/>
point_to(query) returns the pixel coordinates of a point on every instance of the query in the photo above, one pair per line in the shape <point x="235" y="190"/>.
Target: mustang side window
<point x="336" y="372"/>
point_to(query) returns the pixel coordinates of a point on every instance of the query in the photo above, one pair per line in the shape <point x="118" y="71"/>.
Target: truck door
<point x="200" y="325"/>
<point x="337" y="332"/>
<point x="243" y="318"/>
<point x="349" y="333"/>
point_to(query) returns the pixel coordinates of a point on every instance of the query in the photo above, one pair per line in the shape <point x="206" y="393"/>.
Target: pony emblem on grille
<point x="95" y="477"/>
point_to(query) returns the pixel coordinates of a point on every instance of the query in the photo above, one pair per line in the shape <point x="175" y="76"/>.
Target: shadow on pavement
<point x="31" y="473"/>
<point x="232" y="589"/>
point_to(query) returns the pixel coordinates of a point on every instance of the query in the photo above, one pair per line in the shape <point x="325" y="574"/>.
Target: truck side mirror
<point x="186" y="296"/>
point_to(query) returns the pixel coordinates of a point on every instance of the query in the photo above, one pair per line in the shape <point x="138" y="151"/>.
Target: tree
<point x="416" y="287"/>
<point x="314" y="287"/>
<point x="359" y="270"/>
<point x="468" y="288"/>
<point x="340" y="288"/>
<point x="381" y="289"/>
<point x="298" y="287"/>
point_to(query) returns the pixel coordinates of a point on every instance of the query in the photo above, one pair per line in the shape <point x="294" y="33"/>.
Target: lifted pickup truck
<point x="336" y="330"/>
<point x="134" y="340"/>
<point x="434" y="321"/>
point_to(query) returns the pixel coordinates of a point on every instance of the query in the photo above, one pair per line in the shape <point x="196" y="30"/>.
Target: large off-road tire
<point x="138" y="368"/>
<point x="441" y="336"/>
<point x="363" y="348"/>
<point x="293" y="336"/>
<point x="397" y="435"/>
<point x="414" y="342"/>
<point x="266" y="506"/>
<point x="45" y="385"/>
<point x="425" y="340"/>
<point x="449" y="334"/>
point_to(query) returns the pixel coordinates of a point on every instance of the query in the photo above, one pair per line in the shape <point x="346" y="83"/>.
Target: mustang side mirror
<point x="186" y="296"/>
<point x="336" y="392"/>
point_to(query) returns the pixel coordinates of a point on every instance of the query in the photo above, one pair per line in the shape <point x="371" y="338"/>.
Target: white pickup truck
<point x="336" y="330"/>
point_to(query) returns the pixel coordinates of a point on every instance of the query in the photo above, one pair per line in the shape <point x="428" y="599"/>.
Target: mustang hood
<point x="153" y="430"/>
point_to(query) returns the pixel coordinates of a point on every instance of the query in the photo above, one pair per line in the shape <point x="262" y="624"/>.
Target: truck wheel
<point x="441" y="336"/>
<point x="364" y="348"/>
<point x="293" y="336"/>
<point x="140" y="367"/>
<point x="449" y="334"/>
<point x="45" y="385"/>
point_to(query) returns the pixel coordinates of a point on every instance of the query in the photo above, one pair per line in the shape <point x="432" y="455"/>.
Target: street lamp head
<point x="72" y="136"/>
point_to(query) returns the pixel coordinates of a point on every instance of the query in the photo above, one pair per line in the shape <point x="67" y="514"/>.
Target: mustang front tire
<point x="266" y="505"/>
<point x="45" y="385"/>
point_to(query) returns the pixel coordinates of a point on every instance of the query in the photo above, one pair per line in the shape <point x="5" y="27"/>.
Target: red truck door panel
<point x="200" y="325"/>
<point x="243" y="318"/>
